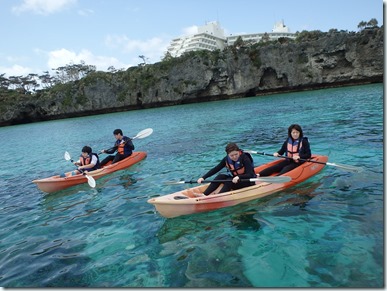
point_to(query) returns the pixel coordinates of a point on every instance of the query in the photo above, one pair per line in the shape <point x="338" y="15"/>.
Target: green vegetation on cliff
<point x="313" y="60"/>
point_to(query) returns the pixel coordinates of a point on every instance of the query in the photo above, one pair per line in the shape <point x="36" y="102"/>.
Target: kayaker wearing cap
<point x="238" y="163"/>
<point x="123" y="145"/>
<point x="296" y="147"/>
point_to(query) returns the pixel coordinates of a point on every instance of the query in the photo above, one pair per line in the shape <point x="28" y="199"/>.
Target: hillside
<point x="315" y="60"/>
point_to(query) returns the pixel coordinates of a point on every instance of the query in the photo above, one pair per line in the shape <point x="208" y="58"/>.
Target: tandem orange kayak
<point x="189" y="201"/>
<point x="56" y="183"/>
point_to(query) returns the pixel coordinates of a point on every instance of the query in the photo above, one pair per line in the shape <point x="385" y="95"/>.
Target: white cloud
<point x="85" y="12"/>
<point x="15" y="70"/>
<point x="63" y="57"/>
<point x="43" y="7"/>
<point x="153" y="49"/>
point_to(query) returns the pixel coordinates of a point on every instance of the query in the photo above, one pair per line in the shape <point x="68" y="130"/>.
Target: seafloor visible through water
<point x="325" y="232"/>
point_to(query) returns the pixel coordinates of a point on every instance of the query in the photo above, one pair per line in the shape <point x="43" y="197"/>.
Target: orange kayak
<point x="56" y="183"/>
<point x="186" y="201"/>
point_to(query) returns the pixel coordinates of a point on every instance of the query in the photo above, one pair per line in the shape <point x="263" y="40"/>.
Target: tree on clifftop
<point x="73" y="72"/>
<point x="239" y="42"/>
<point x="372" y="23"/>
<point x="144" y="60"/>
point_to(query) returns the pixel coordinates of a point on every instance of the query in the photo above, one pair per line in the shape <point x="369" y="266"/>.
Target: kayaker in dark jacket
<point x="123" y="145"/>
<point x="296" y="147"/>
<point x="238" y="163"/>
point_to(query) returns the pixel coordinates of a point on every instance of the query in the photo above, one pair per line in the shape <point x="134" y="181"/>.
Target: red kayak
<point x="189" y="201"/>
<point x="56" y="183"/>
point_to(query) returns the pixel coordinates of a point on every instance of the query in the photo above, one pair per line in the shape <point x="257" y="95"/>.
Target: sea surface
<point x="326" y="232"/>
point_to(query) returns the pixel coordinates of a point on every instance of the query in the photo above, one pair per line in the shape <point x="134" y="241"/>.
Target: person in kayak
<point x="88" y="161"/>
<point x="238" y="163"/>
<point x="123" y="145"/>
<point x="296" y="147"/>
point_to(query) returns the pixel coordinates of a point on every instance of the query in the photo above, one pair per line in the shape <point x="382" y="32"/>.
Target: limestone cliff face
<point x="331" y="60"/>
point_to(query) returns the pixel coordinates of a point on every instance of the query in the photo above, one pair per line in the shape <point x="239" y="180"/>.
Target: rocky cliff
<point x="324" y="60"/>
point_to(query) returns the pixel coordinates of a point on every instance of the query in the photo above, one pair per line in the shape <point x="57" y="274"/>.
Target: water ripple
<point x="326" y="232"/>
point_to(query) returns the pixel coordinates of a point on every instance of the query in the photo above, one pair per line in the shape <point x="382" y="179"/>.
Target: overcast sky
<point x="41" y="35"/>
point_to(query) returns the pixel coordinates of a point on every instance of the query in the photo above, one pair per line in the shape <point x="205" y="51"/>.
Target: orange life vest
<point x="236" y="168"/>
<point x="293" y="147"/>
<point x="121" y="146"/>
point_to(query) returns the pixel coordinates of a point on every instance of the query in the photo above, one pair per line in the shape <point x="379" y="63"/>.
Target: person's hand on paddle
<point x="276" y="154"/>
<point x="296" y="158"/>
<point x="235" y="180"/>
<point x="200" y="180"/>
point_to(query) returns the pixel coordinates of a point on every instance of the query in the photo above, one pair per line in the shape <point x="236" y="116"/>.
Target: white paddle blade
<point x="67" y="156"/>
<point x="90" y="181"/>
<point x="347" y="167"/>
<point x="275" y="179"/>
<point x="144" y="133"/>
<point x="174" y="182"/>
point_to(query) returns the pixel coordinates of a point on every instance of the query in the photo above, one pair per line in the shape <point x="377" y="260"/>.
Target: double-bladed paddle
<point x="341" y="166"/>
<point x="275" y="179"/>
<point x="90" y="179"/>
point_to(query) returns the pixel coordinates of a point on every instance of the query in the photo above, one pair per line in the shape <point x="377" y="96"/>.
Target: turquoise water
<point x="325" y="232"/>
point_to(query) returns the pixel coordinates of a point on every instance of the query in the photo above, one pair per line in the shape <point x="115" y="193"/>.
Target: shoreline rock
<point x="333" y="59"/>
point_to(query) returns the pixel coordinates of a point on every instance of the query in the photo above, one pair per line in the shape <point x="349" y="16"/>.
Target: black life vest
<point x="87" y="160"/>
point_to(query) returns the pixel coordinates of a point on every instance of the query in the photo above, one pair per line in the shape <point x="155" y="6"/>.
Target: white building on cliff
<point x="279" y="30"/>
<point x="211" y="37"/>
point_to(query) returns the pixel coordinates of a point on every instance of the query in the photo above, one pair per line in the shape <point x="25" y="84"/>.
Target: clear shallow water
<point x="325" y="232"/>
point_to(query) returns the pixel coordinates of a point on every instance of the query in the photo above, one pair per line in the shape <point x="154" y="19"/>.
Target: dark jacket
<point x="246" y="161"/>
<point x="129" y="147"/>
<point x="304" y="152"/>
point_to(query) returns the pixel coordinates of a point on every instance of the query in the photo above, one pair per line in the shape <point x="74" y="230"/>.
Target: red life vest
<point x="293" y="147"/>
